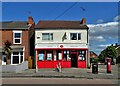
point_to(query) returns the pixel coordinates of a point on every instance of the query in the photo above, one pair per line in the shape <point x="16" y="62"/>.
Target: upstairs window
<point x="17" y="37"/>
<point x="75" y="36"/>
<point x="47" y="36"/>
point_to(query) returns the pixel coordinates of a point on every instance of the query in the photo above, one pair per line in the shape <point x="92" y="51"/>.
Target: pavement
<point x="67" y="73"/>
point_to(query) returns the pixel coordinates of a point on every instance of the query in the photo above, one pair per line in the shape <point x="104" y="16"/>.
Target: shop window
<point x="59" y="55"/>
<point x="49" y="54"/>
<point x="66" y="55"/>
<point x="17" y="57"/>
<point x="41" y="55"/>
<point x="47" y="36"/>
<point x="82" y="55"/>
<point x="75" y="36"/>
<point x="55" y="55"/>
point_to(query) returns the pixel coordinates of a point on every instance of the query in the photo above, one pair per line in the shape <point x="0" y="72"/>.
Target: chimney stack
<point x="83" y="21"/>
<point x="30" y="21"/>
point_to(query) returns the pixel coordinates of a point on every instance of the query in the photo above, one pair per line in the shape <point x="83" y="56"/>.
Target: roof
<point x="93" y="53"/>
<point x="59" y="24"/>
<point x="14" y="25"/>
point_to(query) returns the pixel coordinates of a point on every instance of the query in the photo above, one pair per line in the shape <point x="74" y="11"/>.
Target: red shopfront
<point x="68" y="57"/>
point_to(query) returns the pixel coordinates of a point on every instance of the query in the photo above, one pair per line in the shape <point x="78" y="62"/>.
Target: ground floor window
<point x="82" y="55"/>
<point x="55" y="55"/>
<point x="17" y="57"/>
<point x="49" y="55"/>
<point x="41" y="55"/>
<point x="66" y="55"/>
<point x="59" y="54"/>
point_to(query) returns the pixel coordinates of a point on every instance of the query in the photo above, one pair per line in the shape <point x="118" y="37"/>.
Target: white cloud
<point x="109" y="29"/>
<point x="104" y="45"/>
<point x="97" y="38"/>
<point x="117" y="18"/>
<point x="100" y="21"/>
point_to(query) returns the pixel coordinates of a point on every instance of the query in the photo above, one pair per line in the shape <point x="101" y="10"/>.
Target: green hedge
<point x="94" y="60"/>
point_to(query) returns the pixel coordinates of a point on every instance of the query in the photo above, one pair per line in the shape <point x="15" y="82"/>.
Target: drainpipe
<point x="88" y="58"/>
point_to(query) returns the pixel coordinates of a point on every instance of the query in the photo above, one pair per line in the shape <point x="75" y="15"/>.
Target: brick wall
<point x="8" y="35"/>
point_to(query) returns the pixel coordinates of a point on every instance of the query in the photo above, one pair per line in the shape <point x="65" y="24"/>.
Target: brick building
<point x="16" y="33"/>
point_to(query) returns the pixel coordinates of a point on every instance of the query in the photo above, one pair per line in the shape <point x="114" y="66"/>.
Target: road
<point x="56" y="81"/>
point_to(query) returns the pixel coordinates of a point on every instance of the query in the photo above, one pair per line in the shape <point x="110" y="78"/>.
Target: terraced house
<point x="16" y="33"/>
<point x="65" y="42"/>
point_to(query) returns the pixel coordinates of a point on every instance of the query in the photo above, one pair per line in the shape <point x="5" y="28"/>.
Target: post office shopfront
<point x="68" y="57"/>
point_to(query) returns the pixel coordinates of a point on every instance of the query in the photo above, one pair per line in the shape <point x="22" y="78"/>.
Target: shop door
<point x="74" y="60"/>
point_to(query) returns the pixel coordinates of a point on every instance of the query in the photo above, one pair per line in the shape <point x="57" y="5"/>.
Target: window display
<point x="41" y="56"/>
<point x="81" y="55"/>
<point x="49" y="56"/>
<point x="66" y="55"/>
<point x="60" y="56"/>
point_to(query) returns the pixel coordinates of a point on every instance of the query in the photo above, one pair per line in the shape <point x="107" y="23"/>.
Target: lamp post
<point x="36" y="69"/>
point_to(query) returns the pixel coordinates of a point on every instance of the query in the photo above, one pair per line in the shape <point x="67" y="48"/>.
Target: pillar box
<point x="108" y="65"/>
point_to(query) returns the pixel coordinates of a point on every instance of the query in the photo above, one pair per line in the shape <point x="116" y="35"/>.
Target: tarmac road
<point x="56" y="81"/>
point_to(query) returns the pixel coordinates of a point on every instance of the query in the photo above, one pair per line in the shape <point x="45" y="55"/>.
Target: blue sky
<point x="101" y="17"/>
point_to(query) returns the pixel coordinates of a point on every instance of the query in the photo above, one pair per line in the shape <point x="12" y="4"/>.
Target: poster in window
<point x="64" y="52"/>
<point x="67" y="52"/>
<point x="83" y="58"/>
<point x="41" y="56"/>
<point x="49" y="56"/>
<point x="60" y="56"/>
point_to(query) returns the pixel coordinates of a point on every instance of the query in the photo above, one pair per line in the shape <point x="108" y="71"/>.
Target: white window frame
<point x="49" y="35"/>
<point x="17" y="38"/>
<point x="77" y="35"/>
<point x="19" y="58"/>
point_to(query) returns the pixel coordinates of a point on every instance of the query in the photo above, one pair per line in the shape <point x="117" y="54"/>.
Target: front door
<point x="74" y="60"/>
<point x="3" y="59"/>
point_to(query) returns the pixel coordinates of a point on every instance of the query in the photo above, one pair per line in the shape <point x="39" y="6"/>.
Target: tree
<point x="102" y="56"/>
<point x="7" y="50"/>
<point x="109" y="52"/>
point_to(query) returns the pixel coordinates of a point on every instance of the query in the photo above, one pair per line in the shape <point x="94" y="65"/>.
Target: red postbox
<point x="108" y="65"/>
